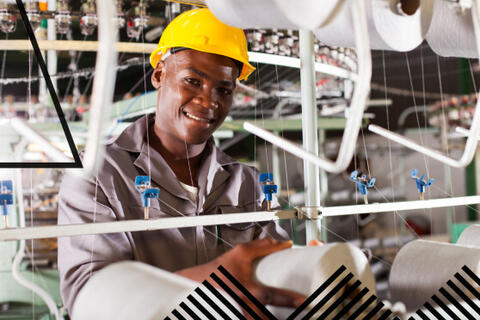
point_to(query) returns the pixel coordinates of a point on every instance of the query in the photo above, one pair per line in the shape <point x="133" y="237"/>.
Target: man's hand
<point x="239" y="262"/>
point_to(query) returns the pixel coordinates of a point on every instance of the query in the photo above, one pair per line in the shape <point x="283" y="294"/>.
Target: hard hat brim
<point x="247" y="69"/>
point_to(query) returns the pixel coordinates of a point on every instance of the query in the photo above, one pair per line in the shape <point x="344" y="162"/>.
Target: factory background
<point x="418" y="93"/>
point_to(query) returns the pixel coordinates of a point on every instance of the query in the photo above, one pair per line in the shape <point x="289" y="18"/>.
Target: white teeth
<point x="196" y="118"/>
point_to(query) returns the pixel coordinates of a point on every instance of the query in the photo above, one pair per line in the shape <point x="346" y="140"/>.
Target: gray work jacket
<point x="225" y="186"/>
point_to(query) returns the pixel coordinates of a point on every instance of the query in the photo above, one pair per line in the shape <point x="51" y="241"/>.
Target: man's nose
<point x="207" y="101"/>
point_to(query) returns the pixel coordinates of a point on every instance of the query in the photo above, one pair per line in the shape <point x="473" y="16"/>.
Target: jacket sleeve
<point x="79" y="257"/>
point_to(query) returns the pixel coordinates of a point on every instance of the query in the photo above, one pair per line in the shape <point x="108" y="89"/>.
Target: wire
<point x="389" y="143"/>
<point x="143" y="99"/>
<point x="257" y="84"/>
<point x="124" y="114"/>
<point x="443" y="134"/>
<point x="88" y="73"/>
<point x="410" y="93"/>
<point x="426" y="125"/>
<point x="74" y="65"/>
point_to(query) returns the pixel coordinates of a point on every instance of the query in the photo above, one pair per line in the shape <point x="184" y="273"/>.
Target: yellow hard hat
<point x="200" y="30"/>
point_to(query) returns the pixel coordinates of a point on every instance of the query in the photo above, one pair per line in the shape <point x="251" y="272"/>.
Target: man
<point x="196" y="66"/>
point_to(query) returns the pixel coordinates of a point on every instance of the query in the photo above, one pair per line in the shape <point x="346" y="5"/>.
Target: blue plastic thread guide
<point x="142" y="183"/>
<point x="362" y="183"/>
<point x="353" y="175"/>
<point x="264" y="177"/>
<point x="6" y="195"/>
<point x="371" y="183"/>
<point x="6" y="186"/>
<point x="420" y="182"/>
<point x="6" y="199"/>
<point x="414" y="173"/>
<point x="269" y="189"/>
<point x="151" y="193"/>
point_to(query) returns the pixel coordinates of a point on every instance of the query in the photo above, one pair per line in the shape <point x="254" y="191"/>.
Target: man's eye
<point x="225" y="91"/>
<point x="192" y="81"/>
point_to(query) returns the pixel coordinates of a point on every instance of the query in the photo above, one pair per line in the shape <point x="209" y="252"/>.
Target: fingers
<point x="315" y="242"/>
<point x="279" y="297"/>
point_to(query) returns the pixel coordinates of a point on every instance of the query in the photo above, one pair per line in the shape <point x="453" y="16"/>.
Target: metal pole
<point x="52" y="35"/>
<point x="323" y="183"/>
<point x="309" y="132"/>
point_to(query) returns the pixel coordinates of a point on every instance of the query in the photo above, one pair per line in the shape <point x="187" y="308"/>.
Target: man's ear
<point x="157" y="74"/>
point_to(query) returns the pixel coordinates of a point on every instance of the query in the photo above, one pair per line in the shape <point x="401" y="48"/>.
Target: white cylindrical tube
<point x="390" y="27"/>
<point x="283" y="14"/>
<point x="470" y="236"/>
<point x="451" y="32"/>
<point x="304" y="270"/>
<point x="133" y="290"/>
<point x="422" y="267"/>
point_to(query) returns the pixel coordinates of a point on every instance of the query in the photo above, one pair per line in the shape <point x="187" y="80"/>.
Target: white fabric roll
<point x="283" y="14"/>
<point x="131" y="290"/>
<point x="451" y="32"/>
<point x="388" y="29"/>
<point x="422" y="267"/>
<point x="470" y="236"/>
<point x="304" y="270"/>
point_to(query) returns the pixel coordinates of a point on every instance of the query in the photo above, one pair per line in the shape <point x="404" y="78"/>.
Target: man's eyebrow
<point x="204" y="75"/>
<point x="200" y="73"/>
<point x="227" y="83"/>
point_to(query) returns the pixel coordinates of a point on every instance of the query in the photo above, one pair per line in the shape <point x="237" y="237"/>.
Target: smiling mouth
<point x="191" y="116"/>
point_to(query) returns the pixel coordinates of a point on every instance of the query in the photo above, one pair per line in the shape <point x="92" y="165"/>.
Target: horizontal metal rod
<point x="69" y="230"/>
<point x="75" y="45"/>
<point x="200" y="3"/>
<point x="399" y="206"/>
<point x="25" y="130"/>
<point x="468" y="153"/>
<point x="464" y="132"/>
<point x="291" y="147"/>
<point x="274" y="59"/>
<point x="137" y="47"/>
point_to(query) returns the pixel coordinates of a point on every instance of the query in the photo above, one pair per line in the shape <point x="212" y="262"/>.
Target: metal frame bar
<point x="464" y="132"/>
<point x="473" y="133"/>
<point x="147" y="48"/>
<point x="399" y="206"/>
<point x="69" y="230"/>
<point x="357" y="106"/>
<point x="76" y="45"/>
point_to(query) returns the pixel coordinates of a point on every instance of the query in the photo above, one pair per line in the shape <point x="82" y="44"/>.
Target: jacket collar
<point x="212" y="173"/>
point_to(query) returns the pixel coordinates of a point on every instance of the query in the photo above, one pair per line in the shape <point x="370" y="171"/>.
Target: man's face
<point x="195" y="93"/>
